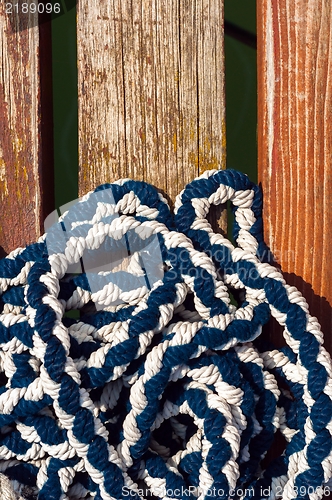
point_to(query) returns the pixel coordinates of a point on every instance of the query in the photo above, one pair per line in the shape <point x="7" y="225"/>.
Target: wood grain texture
<point x="295" y="144"/>
<point x="26" y="174"/>
<point x="151" y="91"/>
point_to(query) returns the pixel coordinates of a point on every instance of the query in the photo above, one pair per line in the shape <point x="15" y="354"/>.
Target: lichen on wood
<point x="151" y="91"/>
<point x="26" y="174"/>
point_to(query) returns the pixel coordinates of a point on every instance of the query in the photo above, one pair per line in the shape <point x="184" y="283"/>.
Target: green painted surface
<point x="241" y="91"/>
<point x="65" y="107"/>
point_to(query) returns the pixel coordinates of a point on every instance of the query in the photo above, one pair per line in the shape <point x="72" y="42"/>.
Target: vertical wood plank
<point x="151" y="91"/>
<point x="295" y="144"/>
<point x="26" y="155"/>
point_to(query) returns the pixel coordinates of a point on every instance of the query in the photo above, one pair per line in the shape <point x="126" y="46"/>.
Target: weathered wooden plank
<point x="295" y="144"/>
<point x="151" y="91"/>
<point x="26" y="174"/>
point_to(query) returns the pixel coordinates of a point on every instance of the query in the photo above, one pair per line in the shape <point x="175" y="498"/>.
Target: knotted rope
<point x="162" y="386"/>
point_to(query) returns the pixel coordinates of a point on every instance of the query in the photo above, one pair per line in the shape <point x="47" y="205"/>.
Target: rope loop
<point x="132" y="362"/>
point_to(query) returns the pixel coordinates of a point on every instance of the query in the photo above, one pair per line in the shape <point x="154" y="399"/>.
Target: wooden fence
<point x="152" y="106"/>
<point x="295" y="144"/>
<point x="26" y="130"/>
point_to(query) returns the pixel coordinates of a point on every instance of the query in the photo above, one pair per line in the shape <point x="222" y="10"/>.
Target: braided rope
<point x="162" y="386"/>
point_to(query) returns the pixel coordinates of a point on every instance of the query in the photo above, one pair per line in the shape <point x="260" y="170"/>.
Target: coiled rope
<point x="162" y="386"/>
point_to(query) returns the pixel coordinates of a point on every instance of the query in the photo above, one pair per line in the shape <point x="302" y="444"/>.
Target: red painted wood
<point x="295" y="145"/>
<point x="26" y="155"/>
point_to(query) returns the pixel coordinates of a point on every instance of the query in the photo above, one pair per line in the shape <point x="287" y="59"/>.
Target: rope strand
<point x="161" y="385"/>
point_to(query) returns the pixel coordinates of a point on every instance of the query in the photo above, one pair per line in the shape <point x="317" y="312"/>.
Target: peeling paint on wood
<point x="295" y="144"/>
<point x="24" y="201"/>
<point x="151" y="91"/>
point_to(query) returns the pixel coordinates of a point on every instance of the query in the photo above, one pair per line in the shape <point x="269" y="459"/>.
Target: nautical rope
<point x="162" y="384"/>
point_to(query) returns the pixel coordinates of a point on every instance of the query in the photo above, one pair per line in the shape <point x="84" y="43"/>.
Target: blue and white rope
<point x="161" y="386"/>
